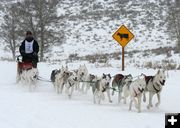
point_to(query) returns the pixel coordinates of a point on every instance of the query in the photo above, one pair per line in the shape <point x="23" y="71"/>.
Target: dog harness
<point x="139" y="91"/>
<point x="148" y="78"/>
<point x="70" y="84"/>
<point x="156" y="88"/>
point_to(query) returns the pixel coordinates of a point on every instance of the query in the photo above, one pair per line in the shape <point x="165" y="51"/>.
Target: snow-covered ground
<point x="43" y="108"/>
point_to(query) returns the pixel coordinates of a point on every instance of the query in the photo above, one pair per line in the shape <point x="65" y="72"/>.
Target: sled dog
<point x="135" y="91"/>
<point x="100" y="86"/>
<point x="119" y="81"/>
<point x="154" y="85"/>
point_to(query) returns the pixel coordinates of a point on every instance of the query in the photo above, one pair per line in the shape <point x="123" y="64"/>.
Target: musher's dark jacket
<point x="29" y="56"/>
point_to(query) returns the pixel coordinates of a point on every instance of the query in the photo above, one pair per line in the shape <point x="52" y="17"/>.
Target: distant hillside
<point x="89" y="26"/>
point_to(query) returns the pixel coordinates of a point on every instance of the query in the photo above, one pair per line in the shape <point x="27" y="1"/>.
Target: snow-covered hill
<point x="90" y="25"/>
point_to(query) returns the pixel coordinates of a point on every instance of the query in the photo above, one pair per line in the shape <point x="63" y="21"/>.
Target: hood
<point x="29" y="39"/>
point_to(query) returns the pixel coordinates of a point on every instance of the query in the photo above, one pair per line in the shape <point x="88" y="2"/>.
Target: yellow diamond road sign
<point x="123" y="36"/>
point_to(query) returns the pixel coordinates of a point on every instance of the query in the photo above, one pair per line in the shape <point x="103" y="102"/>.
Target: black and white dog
<point x="29" y="77"/>
<point x="100" y="86"/>
<point x="89" y="81"/>
<point x="154" y="85"/>
<point x="53" y="75"/>
<point x="119" y="82"/>
<point x="135" y="91"/>
<point x="82" y="75"/>
<point x="72" y="82"/>
<point x="59" y="78"/>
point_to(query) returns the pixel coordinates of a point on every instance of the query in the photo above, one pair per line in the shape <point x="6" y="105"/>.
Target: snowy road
<point x="43" y="108"/>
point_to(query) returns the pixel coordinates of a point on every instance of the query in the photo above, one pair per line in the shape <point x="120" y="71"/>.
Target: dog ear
<point x="130" y="76"/>
<point x="158" y="72"/>
<point x="104" y="75"/>
<point x="109" y="76"/>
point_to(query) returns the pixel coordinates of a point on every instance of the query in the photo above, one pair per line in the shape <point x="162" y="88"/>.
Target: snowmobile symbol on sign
<point x="123" y="36"/>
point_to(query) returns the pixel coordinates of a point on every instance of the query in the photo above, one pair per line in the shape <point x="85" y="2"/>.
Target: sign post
<point x="122" y="58"/>
<point x="123" y="36"/>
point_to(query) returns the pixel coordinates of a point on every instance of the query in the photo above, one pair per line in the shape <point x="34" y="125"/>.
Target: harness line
<point x="43" y="79"/>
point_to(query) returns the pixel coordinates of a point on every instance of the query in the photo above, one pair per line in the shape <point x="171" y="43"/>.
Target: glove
<point x="34" y="53"/>
<point x="22" y="52"/>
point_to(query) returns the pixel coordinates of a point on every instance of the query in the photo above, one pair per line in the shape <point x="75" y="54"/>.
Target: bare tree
<point x="40" y="16"/>
<point x="174" y="21"/>
<point x="9" y="29"/>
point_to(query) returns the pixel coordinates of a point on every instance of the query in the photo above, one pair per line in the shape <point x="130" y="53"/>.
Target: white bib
<point x="29" y="46"/>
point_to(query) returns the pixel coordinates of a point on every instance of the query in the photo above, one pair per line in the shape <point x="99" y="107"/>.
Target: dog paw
<point x="149" y="106"/>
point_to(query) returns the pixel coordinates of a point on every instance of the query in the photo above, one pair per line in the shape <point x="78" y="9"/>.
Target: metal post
<point x="122" y="58"/>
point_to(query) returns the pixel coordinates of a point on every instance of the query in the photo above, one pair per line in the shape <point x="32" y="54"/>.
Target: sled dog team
<point x="123" y="85"/>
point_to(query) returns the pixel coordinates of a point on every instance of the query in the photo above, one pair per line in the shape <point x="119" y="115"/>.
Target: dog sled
<point x="26" y="73"/>
<point x="21" y="66"/>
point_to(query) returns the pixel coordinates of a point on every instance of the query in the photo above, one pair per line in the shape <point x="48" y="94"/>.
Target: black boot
<point x="34" y="64"/>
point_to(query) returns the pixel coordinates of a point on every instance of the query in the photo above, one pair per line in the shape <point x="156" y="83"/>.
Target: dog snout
<point x="164" y="82"/>
<point x="75" y="78"/>
<point x="141" y="89"/>
<point x="107" y="83"/>
<point x="129" y="80"/>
